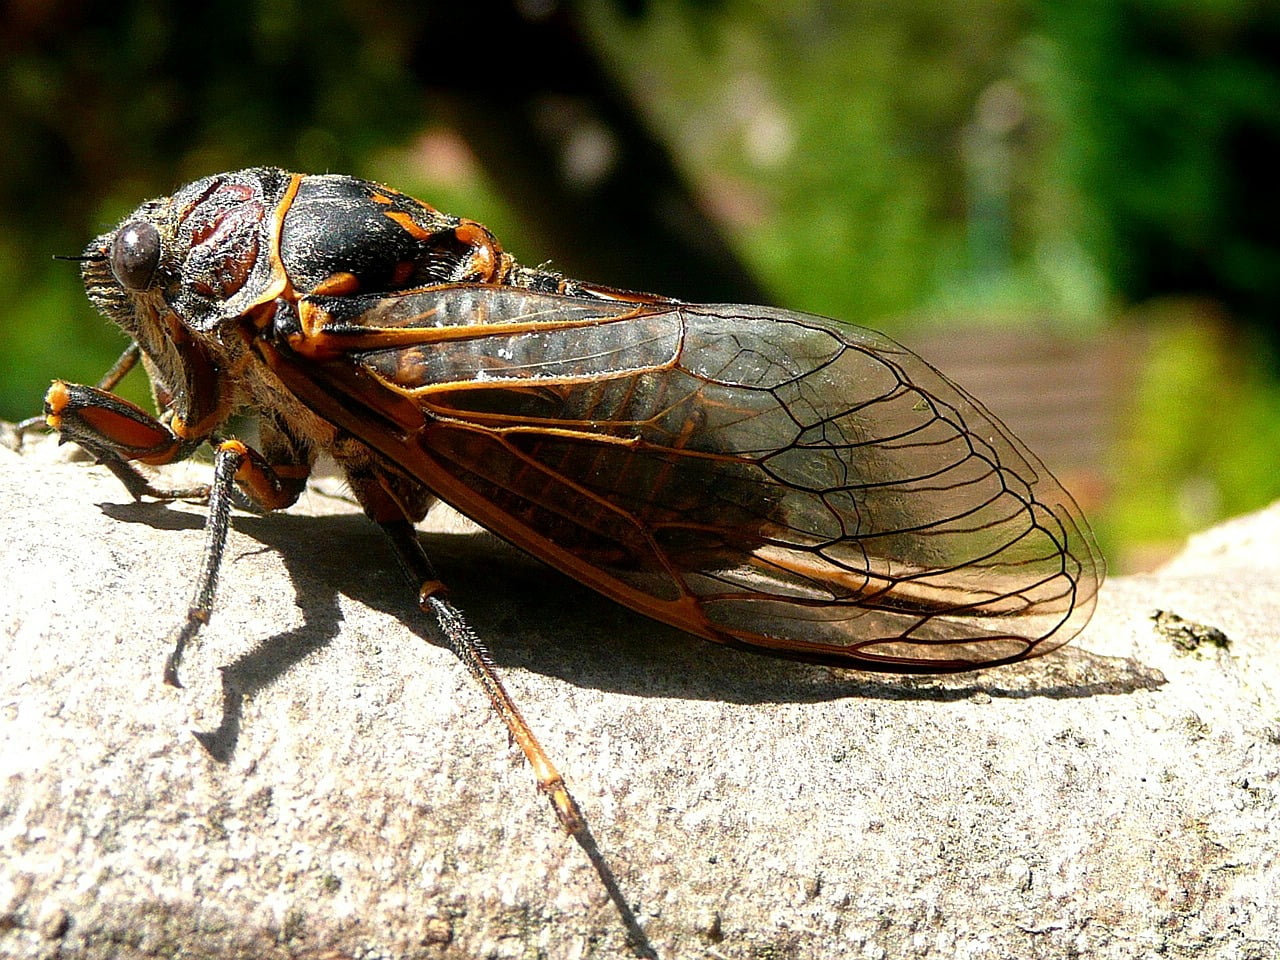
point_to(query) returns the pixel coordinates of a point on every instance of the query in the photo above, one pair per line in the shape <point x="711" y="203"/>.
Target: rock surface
<point x="329" y="783"/>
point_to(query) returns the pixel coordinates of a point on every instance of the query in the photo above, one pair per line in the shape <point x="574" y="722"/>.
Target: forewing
<point x="762" y="478"/>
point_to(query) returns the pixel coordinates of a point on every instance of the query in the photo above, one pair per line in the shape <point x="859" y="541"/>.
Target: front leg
<point x="118" y="433"/>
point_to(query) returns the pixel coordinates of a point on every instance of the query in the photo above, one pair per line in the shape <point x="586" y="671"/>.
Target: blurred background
<point x="1070" y="208"/>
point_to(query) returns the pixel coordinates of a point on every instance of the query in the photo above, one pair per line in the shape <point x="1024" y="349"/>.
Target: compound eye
<point x="135" y="254"/>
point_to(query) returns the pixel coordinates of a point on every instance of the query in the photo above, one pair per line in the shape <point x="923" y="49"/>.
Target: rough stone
<point x="329" y="783"/>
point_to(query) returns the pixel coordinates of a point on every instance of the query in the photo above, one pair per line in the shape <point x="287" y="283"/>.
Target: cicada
<point x="777" y="482"/>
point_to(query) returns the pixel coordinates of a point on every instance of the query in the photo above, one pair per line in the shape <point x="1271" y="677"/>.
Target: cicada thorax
<point x="342" y="236"/>
<point x="229" y="244"/>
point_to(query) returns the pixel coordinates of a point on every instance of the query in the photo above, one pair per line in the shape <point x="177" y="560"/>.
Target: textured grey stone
<point x="330" y="783"/>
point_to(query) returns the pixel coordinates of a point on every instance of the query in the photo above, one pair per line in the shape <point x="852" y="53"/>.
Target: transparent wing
<point x="766" y="479"/>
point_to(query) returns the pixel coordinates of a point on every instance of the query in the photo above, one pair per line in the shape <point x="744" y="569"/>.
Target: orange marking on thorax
<point x="409" y="225"/>
<point x="280" y="284"/>
<point x="383" y="199"/>
<point x="338" y="284"/>
<point x="485" y="251"/>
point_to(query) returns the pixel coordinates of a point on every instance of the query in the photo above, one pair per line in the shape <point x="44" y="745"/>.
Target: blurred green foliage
<point x="833" y="138"/>
<point x="1169" y="120"/>
<point x="1200" y="435"/>
<point x="1170" y="114"/>
<point x="959" y="163"/>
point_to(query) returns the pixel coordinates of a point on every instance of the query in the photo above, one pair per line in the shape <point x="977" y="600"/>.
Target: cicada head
<point x="207" y="254"/>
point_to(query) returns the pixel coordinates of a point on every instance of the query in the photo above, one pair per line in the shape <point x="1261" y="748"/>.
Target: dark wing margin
<point x="770" y="480"/>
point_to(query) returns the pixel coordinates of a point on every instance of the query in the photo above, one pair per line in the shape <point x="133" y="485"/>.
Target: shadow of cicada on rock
<point x="536" y="619"/>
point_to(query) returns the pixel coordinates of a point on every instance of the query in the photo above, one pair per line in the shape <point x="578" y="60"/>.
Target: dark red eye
<point x="135" y="254"/>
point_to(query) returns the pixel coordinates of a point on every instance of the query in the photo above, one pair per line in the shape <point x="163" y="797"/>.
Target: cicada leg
<point x="470" y="650"/>
<point x="118" y="433"/>
<point x="269" y="486"/>
<point x="468" y="647"/>
<point x="126" y="362"/>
